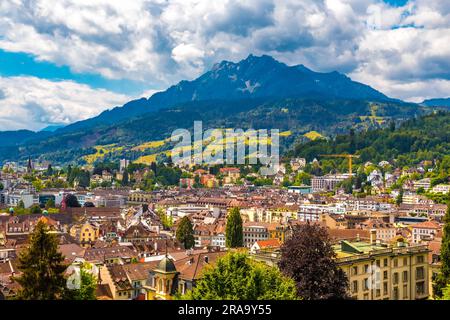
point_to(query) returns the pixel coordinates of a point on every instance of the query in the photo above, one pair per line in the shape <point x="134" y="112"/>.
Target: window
<point x="355" y="270"/>
<point x="366" y="284"/>
<point x="385" y="275"/>
<point x="420" y="259"/>
<point x="366" y="268"/>
<point x="420" y="273"/>
<point x="385" y="288"/>
<point x="395" y="263"/>
<point x="420" y="288"/>
<point x="395" y="293"/>
<point x="366" y="296"/>
<point x="405" y="261"/>
<point x="355" y="286"/>
<point x="395" y="278"/>
<point x="405" y="291"/>
<point x="385" y="262"/>
<point x="378" y="263"/>
<point x="405" y="276"/>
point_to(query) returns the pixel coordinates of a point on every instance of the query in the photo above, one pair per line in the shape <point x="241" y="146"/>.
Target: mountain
<point x="444" y="102"/>
<point x="13" y="138"/>
<point x="258" y="92"/>
<point x="53" y="128"/>
<point x="254" y="77"/>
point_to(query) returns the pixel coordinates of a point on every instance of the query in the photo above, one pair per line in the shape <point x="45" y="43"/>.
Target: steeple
<point x="29" y="166"/>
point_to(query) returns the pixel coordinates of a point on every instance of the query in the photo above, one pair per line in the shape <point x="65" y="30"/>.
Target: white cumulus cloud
<point x="33" y="103"/>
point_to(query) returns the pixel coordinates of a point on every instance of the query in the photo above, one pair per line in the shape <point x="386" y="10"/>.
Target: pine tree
<point x="234" y="234"/>
<point x="185" y="233"/>
<point x="442" y="280"/>
<point x="42" y="267"/>
<point x="308" y="258"/>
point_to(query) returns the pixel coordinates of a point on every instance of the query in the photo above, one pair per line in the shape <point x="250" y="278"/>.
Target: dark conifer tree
<point x="42" y="267"/>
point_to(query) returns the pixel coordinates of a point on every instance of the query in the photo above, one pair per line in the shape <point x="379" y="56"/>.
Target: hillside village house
<point x="424" y="231"/>
<point x="230" y="175"/>
<point x="441" y="188"/>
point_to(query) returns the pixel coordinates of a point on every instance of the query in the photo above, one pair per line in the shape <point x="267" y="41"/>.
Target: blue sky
<point x="24" y="64"/>
<point x="66" y="60"/>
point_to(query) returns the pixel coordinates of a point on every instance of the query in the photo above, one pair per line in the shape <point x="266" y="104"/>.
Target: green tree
<point x="21" y="204"/>
<point x="125" y="178"/>
<point x="445" y="293"/>
<point x="185" y="233"/>
<point x="42" y="267"/>
<point x="399" y="199"/>
<point x="35" y="209"/>
<point x="88" y="286"/>
<point x="234" y="234"/>
<point x="50" y="203"/>
<point x="236" y="277"/>
<point x="442" y="280"/>
<point x="72" y="201"/>
<point x="49" y="170"/>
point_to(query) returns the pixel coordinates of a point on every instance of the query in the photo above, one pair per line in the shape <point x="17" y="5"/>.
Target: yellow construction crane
<point x="348" y="156"/>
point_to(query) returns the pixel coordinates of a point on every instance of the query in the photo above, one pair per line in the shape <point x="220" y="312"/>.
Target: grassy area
<point x="149" y="145"/>
<point x="101" y="152"/>
<point x="21" y="211"/>
<point x="313" y="135"/>
<point x="285" y="133"/>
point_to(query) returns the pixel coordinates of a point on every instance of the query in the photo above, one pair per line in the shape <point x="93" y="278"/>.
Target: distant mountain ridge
<point x="438" y="102"/>
<point x="258" y="92"/>
<point x="253" y="77"/>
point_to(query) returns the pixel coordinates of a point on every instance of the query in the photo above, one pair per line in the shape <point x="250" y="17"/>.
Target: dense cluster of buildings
<point x="388" y="250"/>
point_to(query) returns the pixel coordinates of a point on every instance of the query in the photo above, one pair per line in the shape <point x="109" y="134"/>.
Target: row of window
<point x="420" y="290"/>
<point x="395" y="262"/>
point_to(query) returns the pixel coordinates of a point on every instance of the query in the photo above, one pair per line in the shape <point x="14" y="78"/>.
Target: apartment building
<point x="328" y="182"/>
<point x="381" y="272"/>
<point x="254" y="232"/>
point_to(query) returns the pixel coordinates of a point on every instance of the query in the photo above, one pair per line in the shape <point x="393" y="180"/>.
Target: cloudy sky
<point x="67" y="60"/>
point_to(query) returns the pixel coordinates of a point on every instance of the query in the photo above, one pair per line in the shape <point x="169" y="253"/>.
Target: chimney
<point x="373" y="236"/>
<point x="357" y="237"/>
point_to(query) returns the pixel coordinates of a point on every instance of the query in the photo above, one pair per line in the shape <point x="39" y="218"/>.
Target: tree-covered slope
<point x="418" y="139"/>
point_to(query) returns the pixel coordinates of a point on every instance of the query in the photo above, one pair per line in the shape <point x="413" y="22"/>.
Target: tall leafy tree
<point x="35" y="209"/>
<point x="72" y="201"/>
<point x="308" y="258"/>
<point x="234" y="234"/>
<point x="88" y="286"/>
<point x="236" y="277"/>
<point x="42" y="267"/>
<point x="185" y="233"/>
<point x="50" y="203"/>
<point x="442" y="280"/>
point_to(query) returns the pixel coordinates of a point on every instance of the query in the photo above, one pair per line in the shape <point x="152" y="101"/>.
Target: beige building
<point x="382" y="272"/>
<point x="377" y="271"/>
